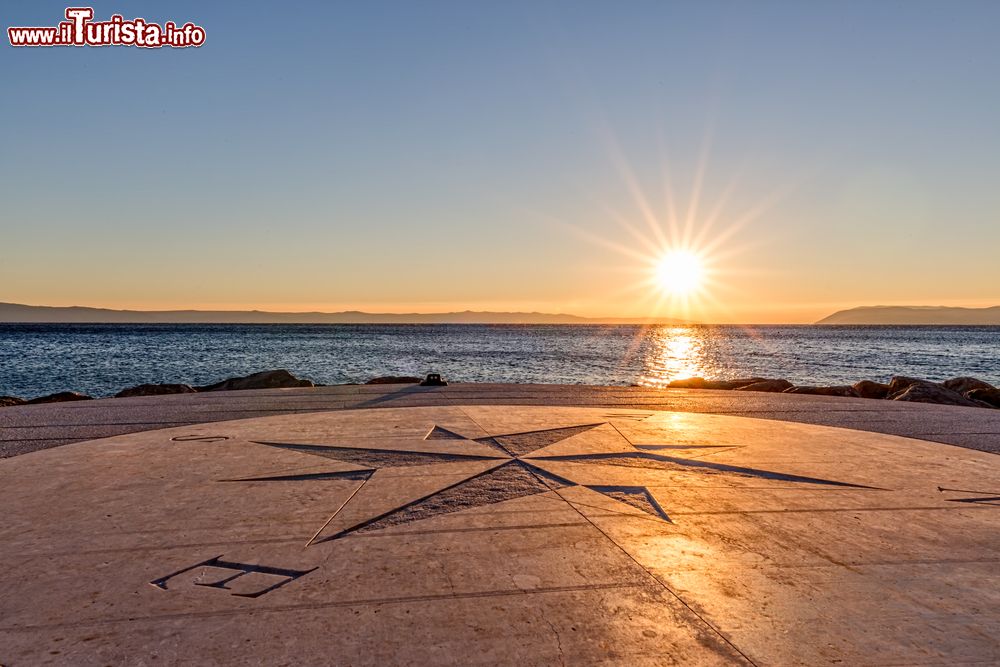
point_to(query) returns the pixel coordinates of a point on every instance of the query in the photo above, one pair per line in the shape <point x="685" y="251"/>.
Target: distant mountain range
<point x="914" y="315"/>
<point x="19" y="313"/>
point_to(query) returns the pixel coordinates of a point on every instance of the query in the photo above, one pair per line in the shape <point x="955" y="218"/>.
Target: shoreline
<point x="959" y="391"/>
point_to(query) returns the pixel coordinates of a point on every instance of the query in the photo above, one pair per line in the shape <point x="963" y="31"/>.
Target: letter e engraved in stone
<point x="283" y="575"/>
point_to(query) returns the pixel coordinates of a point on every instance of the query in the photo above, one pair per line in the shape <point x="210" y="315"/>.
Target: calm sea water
<point x="102" y="359"/>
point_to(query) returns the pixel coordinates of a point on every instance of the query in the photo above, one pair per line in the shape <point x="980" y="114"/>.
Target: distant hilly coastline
<point x="942" y="315"/>
<point x="15" y="313"/>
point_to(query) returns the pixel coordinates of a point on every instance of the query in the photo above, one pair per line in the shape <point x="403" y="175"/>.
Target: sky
<point x="530" y="156"/>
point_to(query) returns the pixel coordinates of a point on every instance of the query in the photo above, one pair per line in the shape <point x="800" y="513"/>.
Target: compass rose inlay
<point x="479" y="471"/>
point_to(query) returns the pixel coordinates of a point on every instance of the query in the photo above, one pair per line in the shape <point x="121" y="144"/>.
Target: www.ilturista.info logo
<point x="79" y="29"/>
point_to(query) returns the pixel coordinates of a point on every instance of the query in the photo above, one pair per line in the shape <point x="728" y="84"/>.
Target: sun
<point x="679" y="273"/>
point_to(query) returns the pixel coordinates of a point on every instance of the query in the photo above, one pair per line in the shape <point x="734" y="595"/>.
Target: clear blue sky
<point x="444" y="155"/>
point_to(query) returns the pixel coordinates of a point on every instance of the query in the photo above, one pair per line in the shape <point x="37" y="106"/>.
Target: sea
<point x="100" y="360"/>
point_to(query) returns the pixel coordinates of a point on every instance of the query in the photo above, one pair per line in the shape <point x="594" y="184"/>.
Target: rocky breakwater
<point x="276" y="379"/>
<point x="961" y="391"/>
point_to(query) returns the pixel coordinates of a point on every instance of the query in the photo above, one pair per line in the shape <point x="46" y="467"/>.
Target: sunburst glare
<point x="679" y="272"/>
<point x="681" y="260"/>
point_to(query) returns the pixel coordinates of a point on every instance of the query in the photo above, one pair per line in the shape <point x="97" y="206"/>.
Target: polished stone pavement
<point x="496" y="534"/>
<point x="29" y="428"/>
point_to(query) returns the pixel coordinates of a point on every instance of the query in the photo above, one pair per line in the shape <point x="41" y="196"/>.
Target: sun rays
<point x="678" y="251"/>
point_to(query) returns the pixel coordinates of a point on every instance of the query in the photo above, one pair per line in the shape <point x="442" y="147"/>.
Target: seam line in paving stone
<point x="330" y="605"/>
<point x="97" y="424"/>
<point x="834" y="509"/>
<point x="298" y="539"/>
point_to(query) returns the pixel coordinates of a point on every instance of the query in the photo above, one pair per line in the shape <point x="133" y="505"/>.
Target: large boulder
<point x="155" y="390"/>
<point x="989" y="396"/>
<point x="739" y="383"/>
<point x="869" y="389"/>
<point x="929" y="392"/>
<point x="277" y="379"/>
<point x="840" y="390"/>
<point x="702" y="383"/>
<point x="964" y="385"/>
<point x="767" y="385"/>
<point x="395" y="379"/>
<point x="7" y="401"/>
<point x="900" y="383"/>
<point x="61" y="397"/>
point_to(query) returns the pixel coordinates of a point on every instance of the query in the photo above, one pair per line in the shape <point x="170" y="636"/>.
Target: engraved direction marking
<point x="282" y="575"/>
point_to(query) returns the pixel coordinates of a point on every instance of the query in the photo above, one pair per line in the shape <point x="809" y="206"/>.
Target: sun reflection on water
<point x="673" y="353"/>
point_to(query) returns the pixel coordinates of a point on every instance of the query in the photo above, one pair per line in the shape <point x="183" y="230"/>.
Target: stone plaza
<point x="463" y="528"/>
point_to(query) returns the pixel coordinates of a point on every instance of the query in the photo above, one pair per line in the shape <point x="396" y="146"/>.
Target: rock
<point x="61" y="397"/>
<point x="155" y="390"/>
<point x="964" y="385"/>
<point x="989" y="396"/>
<point x="929" y="392"/>
<point x="7" y="401"/>
<point x="767" y="385"/>
<point x="869" y="389"/>
<point x="434" y="380"/>
<point x="746" y="382"/>
<point x="278" y="379"/>
<point x="394" y="379"/>
<point x="839" y="390"/>
<point x="702" y="383"/>
<point x="689" y="383"/>
<point x="899" y="383"/>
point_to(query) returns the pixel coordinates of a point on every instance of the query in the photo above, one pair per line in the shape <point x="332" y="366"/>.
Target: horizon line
<point x="15" y="313"/>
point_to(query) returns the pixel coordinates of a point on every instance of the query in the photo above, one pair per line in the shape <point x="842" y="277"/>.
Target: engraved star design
<point x="490" y="470"/>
